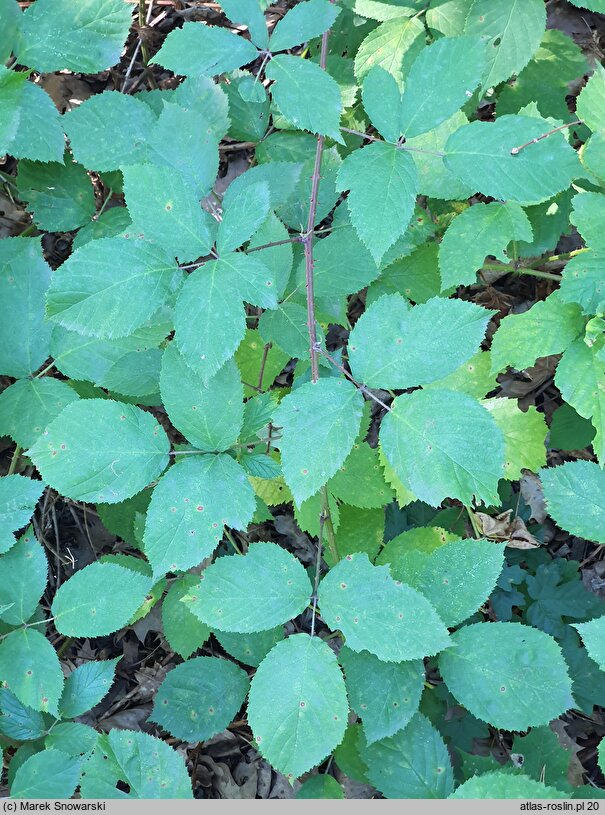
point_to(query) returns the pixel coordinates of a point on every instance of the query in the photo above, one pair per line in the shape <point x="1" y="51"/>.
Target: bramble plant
<point x="323" y="331"/>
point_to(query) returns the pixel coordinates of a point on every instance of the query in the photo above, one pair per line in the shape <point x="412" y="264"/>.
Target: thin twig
<point x="516" y="150"/>
<point x="397" y="146"/>
<point x="363" y="388"/>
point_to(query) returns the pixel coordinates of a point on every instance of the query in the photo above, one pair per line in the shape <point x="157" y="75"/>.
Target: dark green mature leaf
<point x="24" y="278"/>
<point x="29" y="405"/>
<point x="574" y="495"/>
<point x="182" y="629"/>
<point x="59" y="195"/>
<point x="252" y="648"/>
<point x="49" y="774"/>
<point x="257" y="592"/>
<point x="198" y="49"/>
<point x="87" y="37"/>
<point x="297" y="707"/>
<point x="18" y="498"/>
<point x="320" y="786"/>
<point x="581" y="378"/>
<point x="86" y="686"/>
<point x="101" y="451"/>
<point x="88" y="292"/>
<point x="25" y="573"/>
<point x="190" y="506"/>
<point x="17" y="721"/>
<point x="30" y="666"/>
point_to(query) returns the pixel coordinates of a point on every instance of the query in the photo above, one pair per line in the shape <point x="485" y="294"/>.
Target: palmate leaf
<point x="328" y="414"/>
<point x="574" y="495"/>
<point x="25" y="571"/>
<point x="101" y="451"/>
<point x="268" y="580"/>
<point x="189" y="508"/>
<point x="305" y="21"/>
<point x="580" y="377"/>
<point x="197" y="49"/>
<point x="30" y="666"/>
<point x="297" y="707"/>
<point x="507" y="674"/>
<point x="377" y="614"/>
<point x="393" y="346"/>
<point x="86" y="686"/>
<point x="18" y="498"/>
<point x="29" y="405"/>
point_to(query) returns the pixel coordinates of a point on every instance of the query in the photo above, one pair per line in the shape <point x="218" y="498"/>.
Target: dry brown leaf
<point x="504" y="527"/>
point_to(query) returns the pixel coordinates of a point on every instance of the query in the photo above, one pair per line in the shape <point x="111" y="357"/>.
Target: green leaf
<point x="249" y="107"/>
<point x="320" y="786"/>
<point x="182" y="629"/>
<point x="569" y="430"/>
<point x="582" y="281"/>
<point x="423" y="539"/>
<point x="86" y="686"/>
<point x="581" y="379"/>
<point x="484" y="229"/>
<point x="24" y="278"/>
<point x="190" y="506"/>
<point x="444" y="444"/>
<point x="306" y="95"/>
<point x="199" y="698"/>
<point x="414" y="763"/>
<point x="17" y="721"/>
<point x="360" y="479"/>
<point x="479" y="154"/>
<point x="88" y="292"/>
<point x="297" y="707"/>
<point x="286" y="326"/>
<point x="415" y="276"/>
<point x="165" y="211"/>
<point x="11" y="93"/>
<point x="378" y="614"/>
<point x="25" y="574"/>
<point x="198" y="49"/>
<point x="585" y="215"/>
<point x="109" y="224"/>
<point x="278" y="259"/>
<point x="473" y="377"/>
<point x="448" y="16"/>
<point x="328" y="414"/>
<point x="88" y="37"/>
<point x="382" y="102"/>
<point x="305" y="21"/>
<point x="102" y="451"/>
<point x="59" y="195"/>
<point x="31" y="126"/>
<point x="49" y="774"/>
<point x="574" y="497"/>
<point x="11" y="14"/>
<point x="507" y="674"/>
<point x="382" y="181"/>
<point x="250" y="357"/>
<point x="394" y="346"/>
<point x="249" y="13"/>
<point x="592" y="636"/>
<point x="547" y="328"/>
<point x="148" y="767"/>
<point x="121" y="125"/>
<point x="268" y="582"/>
<point x="74" y="738"/>
<point x="30" y="666"/>
<point x="512" y="31"/>
<point x="591" y="101"/>
<point x="79" y="608"/>
<point x="29" y="405"/>
<point x="250" y="649"/>
<point x="524" y="435"/>
<point x="501" y="784"/>
<point x="18" y="498"/>
<point x="242" y="216"/>
<point x="385" y="695"/>
<point x="388" y="45"/>
<point x="440" y="81"/>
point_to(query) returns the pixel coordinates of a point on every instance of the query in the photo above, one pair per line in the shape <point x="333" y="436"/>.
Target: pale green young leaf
<point x="441" y="79"/>
<point x="502" y="784"/>
<point x="252" y="648"/>
<point x="206" y="50"/>
<point x="29" y="405"/>
<point x="385" y="695"/>
<point x="79" y="607"/>
<point x="444" y="444"/>
<point x="48" y="774"/>
<point x="298" y="707"/>
<point x="524" y="436"/>
<point x="582" y="281"/>
<point x="326" y="413"/>
<point x="479" y="154"/>
<point x="383" y="182"/>
<point x="182" y="629"/>
<point x="473" y="377"/>
<point x="286" y="327"/>
<point x="574" y="495"/>
<point x="102" y="451"/>
<point x="360" y="481"/>
<point x="199" y="698"/>
<point x="512" y="31"/>
<point x="109" y="224"/>
<point x="507" y="674"/>
<point x="60" y="196"/>
<point x="305" y="21"/>
<point x="306" y="95"/>
<point x="86" y="685"/>
<point x="591" y="101"/>
<point x="25" y="574"/>
<point x="86" y="37"/>
<point x="256" y="592"/>
<point x="414" y="763"/>
<point x="18" y="498"/>
<point x="547" y="328"/>
<point x="148" y="767"/>
<point x="31" y="126"/>
<point x="189" y="507"/>
<point x="166" y="211"/>
<point x="387" y="46"/>
<point x="250" y="357"/>
<point x="242" y="216"/>
<point x="423" y="539"/>
<point x="394" y="346"/>
<point x="88" y="292"/>
<point x="481" y="230"/>
<point x="382" y="10"/>
<point x="30" y="667"/>
<point x="580" y="377"/>
<point x="250" y="14"/>
<point x="121" y="125"/>
<point x="17" y="721"/>
<point x="448" y="16"/>
<point x="209" y="415"/>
